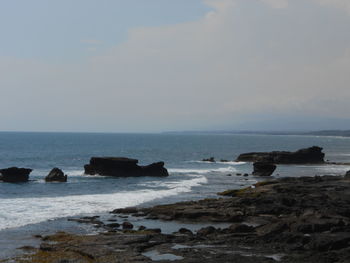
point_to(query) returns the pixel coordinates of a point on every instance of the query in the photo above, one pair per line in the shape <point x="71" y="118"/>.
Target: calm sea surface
<point x="22" y="206"/>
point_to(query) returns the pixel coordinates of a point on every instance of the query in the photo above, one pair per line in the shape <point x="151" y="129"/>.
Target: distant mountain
<point x="341" y="133"/>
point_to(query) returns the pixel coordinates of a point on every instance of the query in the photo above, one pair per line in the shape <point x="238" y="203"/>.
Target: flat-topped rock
<point x="123" y="167"/>
<point x="303" y="156"/>
<point x="15" y="174"/>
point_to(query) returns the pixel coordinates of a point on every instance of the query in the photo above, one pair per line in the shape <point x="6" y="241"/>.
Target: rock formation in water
<point x="56" y="175"/>
<point x="123" y="167"/>
<point x="15" y="174"/>
<point x="211" y="160"/>
<point x="263" y="169"/>
<point x="304" y="156"/>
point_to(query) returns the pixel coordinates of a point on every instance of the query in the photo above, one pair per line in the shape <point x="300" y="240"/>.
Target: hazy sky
<point x="157" y="65"/>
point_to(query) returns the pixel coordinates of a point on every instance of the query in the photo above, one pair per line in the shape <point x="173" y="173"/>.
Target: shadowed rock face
<point x="56" y="175"/>
<point x="304" y="156"/>
<point x="15" y="175"/>
<point x="263" y="169"/>
<point x="123" y="167"/>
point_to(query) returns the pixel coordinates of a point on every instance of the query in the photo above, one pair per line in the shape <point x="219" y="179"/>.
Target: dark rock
<point x="206" y="231"/>
<point x="304" y="156"/>
<point x="263" y="169"/>
<point x="123" y="167"/>
<point x="245" y="175"/>
<point x="127" y="225"/>
<point x="347" y="174"/>
<point x="15" y="175"/>
<point x="27" y="248"/>
<point x="211" y="159"/>
<point x="142" y="228"/>
<point x="113" y="225"/>
<point x="241" y="228"/>
<point x="56" y="175"/>
<point x="155" y="230"/>
<point x="154" y="169"/>
<point x="326" y="242"/>
<point x="224" y="160"/>
<point x="185" y="231"/>
<point x="126" y="210"/>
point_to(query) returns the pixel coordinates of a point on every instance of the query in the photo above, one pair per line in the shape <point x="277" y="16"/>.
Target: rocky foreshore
<point x="303" y="219"/>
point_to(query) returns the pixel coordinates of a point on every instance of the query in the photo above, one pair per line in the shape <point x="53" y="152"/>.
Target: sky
<point x="172" y="65"/>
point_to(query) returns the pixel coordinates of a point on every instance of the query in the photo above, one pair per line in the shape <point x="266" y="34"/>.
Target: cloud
<point x="91" y="41"/>
<point x="276" y="3"/>
<point x="212" y="72"/>
<point x="341" y="4"/>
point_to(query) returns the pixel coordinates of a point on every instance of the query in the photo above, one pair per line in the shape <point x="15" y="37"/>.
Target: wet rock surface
<point x="123" y="167"/>
<point x="309" y="155"/>
<point x="303" y="219"/>
<point x="15" y="175"/>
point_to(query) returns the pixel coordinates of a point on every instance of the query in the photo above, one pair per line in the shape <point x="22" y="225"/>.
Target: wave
<point x="18" y="212"/>
<point x="218" y="162"/>
<point x="229" y="169"/>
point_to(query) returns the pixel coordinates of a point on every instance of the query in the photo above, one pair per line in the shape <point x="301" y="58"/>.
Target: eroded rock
<point x="123" y="167"/>
<point x="56" y="175"/>
<point x="15" y="175"/>
<point x="303" y="156"/>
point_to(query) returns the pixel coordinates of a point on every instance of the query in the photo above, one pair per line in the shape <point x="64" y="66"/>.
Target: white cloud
<point x="276" y="3"/>
<point x="342" y="4"/>
<point x="91" y="41"/>
<point x="209" y="72"/>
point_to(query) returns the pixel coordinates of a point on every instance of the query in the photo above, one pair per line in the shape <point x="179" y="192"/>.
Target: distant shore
<point x="330" y="133"/>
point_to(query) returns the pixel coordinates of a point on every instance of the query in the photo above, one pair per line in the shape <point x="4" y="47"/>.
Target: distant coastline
<point x="338" y="133"/>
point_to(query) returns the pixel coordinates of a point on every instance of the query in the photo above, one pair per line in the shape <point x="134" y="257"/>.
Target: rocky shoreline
<point x="304" y="219"/>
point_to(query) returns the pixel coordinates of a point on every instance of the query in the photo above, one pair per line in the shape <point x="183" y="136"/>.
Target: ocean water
<point x="27" y="204"/>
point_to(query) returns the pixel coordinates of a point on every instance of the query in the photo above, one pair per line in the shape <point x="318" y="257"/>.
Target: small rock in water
<point x="211" y="159"/>
<point x="347" y="174"/>
<point x="238" y="174"/>
<point x="246" y="175"/>
<point x="56" y="175"/>
<point x="127" y="225"/>
<point x="228" y="174"/>
<point x="142" y="228"/>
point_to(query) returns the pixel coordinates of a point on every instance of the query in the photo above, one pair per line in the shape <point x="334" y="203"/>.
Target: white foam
<point x="228" y="169"/>
<point x="23" y="211"/>
<point x="218" y="162"/>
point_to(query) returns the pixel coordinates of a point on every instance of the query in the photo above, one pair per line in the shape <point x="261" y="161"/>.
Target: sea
<point x="37" y="207"/>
